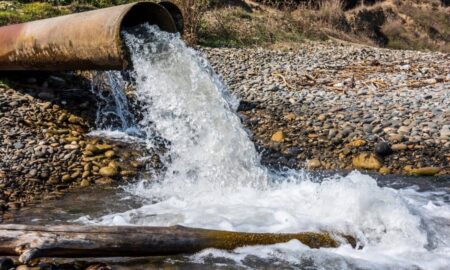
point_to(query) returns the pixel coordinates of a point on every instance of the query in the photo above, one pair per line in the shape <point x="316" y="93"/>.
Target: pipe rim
<point x="140" y="13"/>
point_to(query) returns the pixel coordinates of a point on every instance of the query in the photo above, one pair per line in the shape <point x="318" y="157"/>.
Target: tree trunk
<point x="72" y="241"/>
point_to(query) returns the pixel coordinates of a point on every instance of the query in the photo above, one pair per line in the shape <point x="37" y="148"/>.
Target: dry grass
<point x="236" y="27"/>
<point x="402" y="24"/>
<point x="322" y="20"/>
<point x="193" y="11"/>
<point x="331" y="11"/>
<point x="419" y="26"/>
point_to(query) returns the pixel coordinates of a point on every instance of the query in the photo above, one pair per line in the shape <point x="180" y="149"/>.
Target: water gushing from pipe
<point x="214" y="178"/>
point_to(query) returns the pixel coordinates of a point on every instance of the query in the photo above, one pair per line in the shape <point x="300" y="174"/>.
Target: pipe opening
<point x="148" y="12"/>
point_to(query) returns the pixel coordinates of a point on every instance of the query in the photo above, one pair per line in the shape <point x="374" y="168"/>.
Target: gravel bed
<point x="335" y="106"/>
<point x="45" y="149"/>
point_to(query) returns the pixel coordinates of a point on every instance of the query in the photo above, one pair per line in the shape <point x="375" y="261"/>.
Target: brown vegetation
<point x="399" y="24"/>
<point x="410" y="24"/>
<point x="193" y="11"/>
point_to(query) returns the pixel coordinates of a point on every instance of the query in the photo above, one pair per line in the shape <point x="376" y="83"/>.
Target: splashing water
<point x="114" y="111"/>
<point x="214" y="179"/>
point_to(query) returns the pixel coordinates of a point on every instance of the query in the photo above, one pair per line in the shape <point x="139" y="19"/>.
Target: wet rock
<point x="127" y="173"/>
<point x="278" y="136"/>
<point x="425" y="171"/>
<point x="104" y="181"/>
<point x="313" y="164"/>
<point x="366" y="161"/>
<point x="399" y="147"/>
<point x="66" y="178"/>
<point x="6" y="264"/>
<point x="384" y="171"/>
<point x="294" y="151"/>
<point x="84" y="183"/>
<point x="445" y="132"/>
<point x="246" y="106"/>
<point x="75" y="175"/>
<point x="407" y="168"/>
<point x="98" y="266"/>
<point x="18" y="145"/>
<point x="110" y="154"/>
<point x="395" y="137"/>
<point x="383" y="149"/>
<point x="73" y="119"/>
<point x="71" y="146"/>
<point x="356" y="143"/>
<point x="86" y="174"/>
<point x="108" y="171"/>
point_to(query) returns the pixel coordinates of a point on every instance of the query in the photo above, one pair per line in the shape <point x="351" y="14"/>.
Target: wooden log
<point x="73" y="241"/>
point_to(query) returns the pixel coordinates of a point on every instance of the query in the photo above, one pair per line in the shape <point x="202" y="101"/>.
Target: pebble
<point x="109" y="154"/>
<point x="384" y="171"/>
<point x="445" y="132"/>
<point x="336" y="104"/>
<point x="313" y="164"/>
<point x="278" y="136"/>
<point x="399" y="147"/>
<point x="84" y="183"/>
<point x="426" y="171"/>
<point x="40" y="143"/>
<point x="383" y="149"/>
<point x="104" y="181"/>
<point x="109" y="171"/>
<point x="366" y="161"/>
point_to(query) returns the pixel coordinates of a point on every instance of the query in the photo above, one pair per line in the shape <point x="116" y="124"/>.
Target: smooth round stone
<point x="383" y="149"/>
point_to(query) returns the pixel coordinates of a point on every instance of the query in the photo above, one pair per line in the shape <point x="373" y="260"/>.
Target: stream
<point x="213" y="179"/>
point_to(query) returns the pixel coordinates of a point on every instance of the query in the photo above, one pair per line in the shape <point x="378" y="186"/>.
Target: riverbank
<point x="337" y="106"/>
<point x="45" y="145"/>
<point x="320" y="106"/>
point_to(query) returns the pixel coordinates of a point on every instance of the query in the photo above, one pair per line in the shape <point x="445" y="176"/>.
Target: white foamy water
<point x="214" y="179"/>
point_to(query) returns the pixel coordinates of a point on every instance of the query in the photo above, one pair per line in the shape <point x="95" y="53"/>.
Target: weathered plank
<point x="72" y="241"/>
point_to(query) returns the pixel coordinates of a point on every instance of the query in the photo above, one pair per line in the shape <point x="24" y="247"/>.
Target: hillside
<point x="418" y="25"/>
<point x="407" y="24"/>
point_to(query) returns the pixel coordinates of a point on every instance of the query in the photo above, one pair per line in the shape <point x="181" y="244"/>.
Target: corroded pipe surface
<point x="83" y="41"/>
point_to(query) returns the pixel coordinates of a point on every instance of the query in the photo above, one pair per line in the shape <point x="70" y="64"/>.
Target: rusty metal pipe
<point x="83" y="41"/>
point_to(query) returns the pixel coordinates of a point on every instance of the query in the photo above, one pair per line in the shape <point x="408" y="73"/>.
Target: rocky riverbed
<point x="319" y="106"/>
<point x="45" y="148"/>
<point x="334" y="106"/>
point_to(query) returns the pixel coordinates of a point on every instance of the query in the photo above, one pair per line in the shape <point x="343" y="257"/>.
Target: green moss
<point x="14" y="12"/>
<point x="3" y="83"/>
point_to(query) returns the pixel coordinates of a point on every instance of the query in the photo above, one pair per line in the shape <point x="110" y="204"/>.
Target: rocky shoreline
<point x="321" y="106"/>
<point x="45" y="147"/>
<point x="341" y="107"/>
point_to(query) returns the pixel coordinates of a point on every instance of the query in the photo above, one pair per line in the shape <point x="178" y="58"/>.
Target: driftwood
<point x="72" y="241"/>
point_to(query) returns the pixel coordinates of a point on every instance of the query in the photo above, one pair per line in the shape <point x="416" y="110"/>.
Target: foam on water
<point x="214" y="179"/>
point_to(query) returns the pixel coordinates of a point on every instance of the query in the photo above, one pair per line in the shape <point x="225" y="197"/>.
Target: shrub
<point x="193" y="11"/>
<point x="331" y="11"/>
